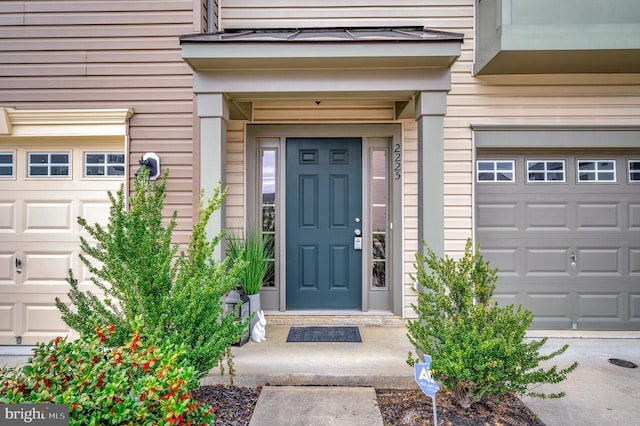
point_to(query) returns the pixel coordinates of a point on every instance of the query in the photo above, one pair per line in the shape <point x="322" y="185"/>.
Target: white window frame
<point x="49" y="164"/>
<point x="597" y="171"/>
<point x="12" y="165"/>
<point x="105" y="164"/>
<point x="546" y="171"/>
<point x="629" y="171"/>
<point x="495" y="171"/>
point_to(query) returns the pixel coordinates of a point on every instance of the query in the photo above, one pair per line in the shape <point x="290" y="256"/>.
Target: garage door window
<point x="597" y="171"/>
<point x="634" y="171"/>
<point x="6" y="164"/>
<point x="49" y="164"/>
<point x="495" y="171"/>
<point x="545" y="171"/>
<point x="97" y="164"/>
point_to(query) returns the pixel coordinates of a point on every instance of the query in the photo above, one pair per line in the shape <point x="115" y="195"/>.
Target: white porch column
<point x="430" y="110"/>
<point x="213" y="112"/>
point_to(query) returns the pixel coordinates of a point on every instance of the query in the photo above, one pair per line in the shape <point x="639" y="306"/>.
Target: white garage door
<point x="44" y="187"/>
<point x="564" y="231"/>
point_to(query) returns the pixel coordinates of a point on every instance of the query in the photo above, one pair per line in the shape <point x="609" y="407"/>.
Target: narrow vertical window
<point x="268" y="187"/>
<point x="6" y="164"/>
<point x="379" y="191"/>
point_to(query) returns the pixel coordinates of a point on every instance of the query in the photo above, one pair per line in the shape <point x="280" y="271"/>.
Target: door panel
<point x="324" y="197"/>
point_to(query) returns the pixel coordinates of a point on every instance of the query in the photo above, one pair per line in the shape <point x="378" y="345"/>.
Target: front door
<point x="324" y="212"/>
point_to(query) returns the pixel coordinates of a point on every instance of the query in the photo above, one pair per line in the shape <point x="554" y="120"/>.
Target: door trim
<point x="277" y="134"/>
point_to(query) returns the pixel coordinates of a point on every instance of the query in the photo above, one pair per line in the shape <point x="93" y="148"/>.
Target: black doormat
<point x="324" y="334"/>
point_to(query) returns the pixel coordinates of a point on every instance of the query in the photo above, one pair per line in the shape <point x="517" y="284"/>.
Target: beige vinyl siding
<point x="235" y="175"/>
<point x="331" y="13"/>
<point x="109" y="54"/>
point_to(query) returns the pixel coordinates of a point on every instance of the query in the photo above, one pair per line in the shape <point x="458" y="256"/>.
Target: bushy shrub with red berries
<point x="142" y="383"/>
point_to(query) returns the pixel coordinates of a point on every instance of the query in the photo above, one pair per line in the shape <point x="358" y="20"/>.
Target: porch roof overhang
<point x="322" y="48"/>
<point x="392" y="63"/>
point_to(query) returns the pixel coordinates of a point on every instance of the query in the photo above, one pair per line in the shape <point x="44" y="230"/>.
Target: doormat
<point x="324" y="334"/>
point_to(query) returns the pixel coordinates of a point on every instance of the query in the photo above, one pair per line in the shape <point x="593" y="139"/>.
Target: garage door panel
<point x="547" y="261"/>
<point x="7" y="217"/>
<point x="634" y="262"/>
<point x="502" y="216"/>
<point x="547" y="217"/>
<point x="46" y="268"/>
<point x="634" y="306"/>
<point x="48" y="216"/>
<point x="94" y="211"/>
<point x="598" y="306"/>
<point x="7" y="269"/>
<point x="42" y="322"/>
<point x="634" y="215"/>
<point x="601" y="216"/>
<point x="505" y="259"/>
<point x="599" y="261"/>
<point x="7" y="323"/>
<point x="551" y="305"/>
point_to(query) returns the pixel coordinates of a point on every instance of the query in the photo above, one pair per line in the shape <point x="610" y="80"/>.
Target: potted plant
<point x="256" y="252"/>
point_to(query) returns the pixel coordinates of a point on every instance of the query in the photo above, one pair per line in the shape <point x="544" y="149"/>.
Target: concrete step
<point x="379" y="361"/>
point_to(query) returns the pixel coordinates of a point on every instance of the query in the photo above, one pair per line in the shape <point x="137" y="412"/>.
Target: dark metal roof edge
<point x="206" y="37"/>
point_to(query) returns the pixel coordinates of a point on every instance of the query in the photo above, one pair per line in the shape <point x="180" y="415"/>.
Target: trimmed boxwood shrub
<point x="478" y="349"/>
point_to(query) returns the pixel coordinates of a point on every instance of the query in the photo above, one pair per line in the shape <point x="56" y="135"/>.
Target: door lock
<point x="357" y="239"/>
<point x="574" y="260"/>
<point x="18" y="264"/>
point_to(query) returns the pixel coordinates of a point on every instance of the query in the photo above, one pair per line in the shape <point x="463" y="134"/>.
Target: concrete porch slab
<point x="379" y="361"/>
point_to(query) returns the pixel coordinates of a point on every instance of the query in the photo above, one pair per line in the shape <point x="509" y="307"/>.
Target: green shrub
<point x="477" y="348"/>
<point x="142" y="382"/>
<point x="135" y="264"/>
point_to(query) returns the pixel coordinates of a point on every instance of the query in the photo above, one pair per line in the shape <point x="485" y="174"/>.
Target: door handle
<point x="18" y="264"/>
<point x="574" y="260"/>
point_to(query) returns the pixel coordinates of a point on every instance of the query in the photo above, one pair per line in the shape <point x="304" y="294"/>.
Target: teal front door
<point x="324" y="211"/>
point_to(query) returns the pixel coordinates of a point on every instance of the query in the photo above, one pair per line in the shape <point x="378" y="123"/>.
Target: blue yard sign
<point x="424" y="379"/>
<point x="426" y="383"/>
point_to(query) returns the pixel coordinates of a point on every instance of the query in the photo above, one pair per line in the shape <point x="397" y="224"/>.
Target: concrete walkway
<point x="313" y="405"/>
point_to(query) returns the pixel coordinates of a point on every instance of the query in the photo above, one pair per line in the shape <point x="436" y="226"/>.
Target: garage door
<point x="564" y="231"/>
<point x="44" y="187"/>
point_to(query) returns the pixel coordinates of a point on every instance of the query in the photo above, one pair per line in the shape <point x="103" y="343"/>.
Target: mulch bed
<point x="413" y="408"/>
<point x="234" y="407"/>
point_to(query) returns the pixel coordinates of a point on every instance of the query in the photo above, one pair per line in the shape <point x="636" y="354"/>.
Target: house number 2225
<point x="397" y="161"/>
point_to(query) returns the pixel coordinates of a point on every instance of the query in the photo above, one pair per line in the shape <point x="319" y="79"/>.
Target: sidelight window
<point x="268" y="185"/>
<point x="379" y="196"/>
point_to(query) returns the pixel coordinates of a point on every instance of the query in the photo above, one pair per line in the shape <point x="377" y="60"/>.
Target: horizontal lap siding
<point x="109" y="54"/>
